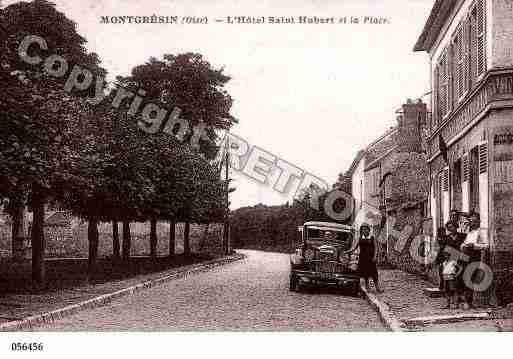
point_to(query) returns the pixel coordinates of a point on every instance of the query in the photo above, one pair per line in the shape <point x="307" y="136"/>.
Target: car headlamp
<point x="343" y="258"/>
<point x="309" y="254"/>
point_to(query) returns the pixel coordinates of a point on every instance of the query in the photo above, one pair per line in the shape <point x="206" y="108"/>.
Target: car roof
<point x="328" y="225"/>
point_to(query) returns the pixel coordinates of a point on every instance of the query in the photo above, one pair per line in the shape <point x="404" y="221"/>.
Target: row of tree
<point x="275" y="228"/>
<point x="59" y="150"/>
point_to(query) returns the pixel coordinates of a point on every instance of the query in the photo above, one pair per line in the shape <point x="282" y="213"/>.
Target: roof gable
<point x="359" y="156"/>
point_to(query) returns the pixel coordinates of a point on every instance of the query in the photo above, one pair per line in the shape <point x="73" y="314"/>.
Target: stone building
<point x="390" y="186"/>
<point x="470" y="140"/>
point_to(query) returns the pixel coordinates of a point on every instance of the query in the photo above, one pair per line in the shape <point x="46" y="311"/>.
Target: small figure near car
<point x="367" y="262"/>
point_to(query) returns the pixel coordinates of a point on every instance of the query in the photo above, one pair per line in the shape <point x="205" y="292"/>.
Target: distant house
<point x="59" y="219"/>
<point x="58" y="227"/>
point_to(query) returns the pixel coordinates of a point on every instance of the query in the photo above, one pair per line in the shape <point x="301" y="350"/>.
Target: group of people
<point x="457" y="250"/>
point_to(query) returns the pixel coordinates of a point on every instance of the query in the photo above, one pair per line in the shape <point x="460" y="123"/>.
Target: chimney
<point x="411" y="122"/>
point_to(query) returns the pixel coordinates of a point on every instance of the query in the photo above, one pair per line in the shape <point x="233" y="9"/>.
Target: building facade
<point x="470" y="139"/>
<point x="390" y="185"/>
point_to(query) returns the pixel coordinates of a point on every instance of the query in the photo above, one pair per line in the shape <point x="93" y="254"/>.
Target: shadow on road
<point x="15" y="277"/>
<point x="330" y="290"/>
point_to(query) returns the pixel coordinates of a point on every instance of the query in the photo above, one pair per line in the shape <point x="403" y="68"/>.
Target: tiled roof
<point x="360" y="156"/>
<point x="439" y="15"/>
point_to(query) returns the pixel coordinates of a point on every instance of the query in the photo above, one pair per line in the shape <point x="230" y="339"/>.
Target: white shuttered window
<point x="481" y="37"/>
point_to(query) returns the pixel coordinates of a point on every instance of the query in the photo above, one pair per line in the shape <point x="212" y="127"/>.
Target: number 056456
<point x="31" y="347"/>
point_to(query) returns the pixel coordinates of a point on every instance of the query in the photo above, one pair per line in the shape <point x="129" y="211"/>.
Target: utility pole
<point x="226" y="232"/>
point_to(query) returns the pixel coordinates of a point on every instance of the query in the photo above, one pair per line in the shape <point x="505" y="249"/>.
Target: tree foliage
<point x="95" y="160"/>
<point x="38" y="116"/>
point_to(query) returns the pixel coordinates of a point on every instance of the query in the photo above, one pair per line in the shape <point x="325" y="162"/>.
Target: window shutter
<point x="441" y="69"/>
<point x="450" y="78"/>
<point x="465" y="44"/>
<point x="445" y="198"/>
<point x="473" y="45"/>
<point x="456" y="67"/>
<point x="465" y="185"/>
<point x="436" y="112"/>
<point x="483" y="184"/>
<point x="466" y="169"/>
<point x="481" y="37"/>
<point x="445" y="180"/>
<point x="443" y="85"/>
<point x="483" y="157"/>
<point x="447" y="70"/>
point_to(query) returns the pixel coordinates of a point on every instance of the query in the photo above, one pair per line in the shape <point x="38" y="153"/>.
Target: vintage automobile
<point x="327" y="256"/>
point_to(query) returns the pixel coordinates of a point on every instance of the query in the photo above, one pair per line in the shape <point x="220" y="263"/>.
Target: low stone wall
<point x="140" y="233"/>
<point x="67" y="242"/>
<point x="5" y="241"/>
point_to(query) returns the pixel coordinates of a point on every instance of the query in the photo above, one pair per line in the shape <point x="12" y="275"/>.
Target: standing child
<point x="450" y="272"/>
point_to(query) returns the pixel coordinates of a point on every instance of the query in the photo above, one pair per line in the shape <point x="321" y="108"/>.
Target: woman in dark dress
<point x="452" y="266"/>
<point x="367" y="267"/>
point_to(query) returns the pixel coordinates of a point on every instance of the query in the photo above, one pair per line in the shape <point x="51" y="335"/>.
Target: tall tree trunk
<point x="18" y="234"/>
<point x="116" y="250"/>
<point x="204" y="237"/>
<point x="38" y="237"/>
<point x="153" y="238"/>
<point x="172" y="238"/>
<point x="186" y="239"/>
<point x="226" y="237"/>
<point x="126" y="240"/>
<point x="93" y="238"/>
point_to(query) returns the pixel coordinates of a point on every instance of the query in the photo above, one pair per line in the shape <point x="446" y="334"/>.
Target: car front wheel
<point x="355" y="289"/>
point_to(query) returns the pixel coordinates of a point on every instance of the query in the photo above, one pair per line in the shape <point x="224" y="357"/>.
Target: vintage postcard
<point x="252" y="167"/>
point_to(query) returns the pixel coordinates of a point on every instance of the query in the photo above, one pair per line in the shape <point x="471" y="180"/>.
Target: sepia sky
<point x="311" y="94"/>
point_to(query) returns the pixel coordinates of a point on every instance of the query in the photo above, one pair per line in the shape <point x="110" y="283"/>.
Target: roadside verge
<point x="49" y="317"/>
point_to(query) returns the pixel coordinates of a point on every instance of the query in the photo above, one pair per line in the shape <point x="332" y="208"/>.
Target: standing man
<point x="475" y="242"/>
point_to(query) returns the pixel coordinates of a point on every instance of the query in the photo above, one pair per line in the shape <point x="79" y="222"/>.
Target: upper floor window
<point x="460" y="50"/>
<point x="461" y="64"/>
<point x="443" y="85"/>
<point x="478" y="38"/>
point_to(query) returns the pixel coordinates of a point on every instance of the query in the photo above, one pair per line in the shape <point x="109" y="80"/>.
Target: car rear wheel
<point x="294" y="283"/>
